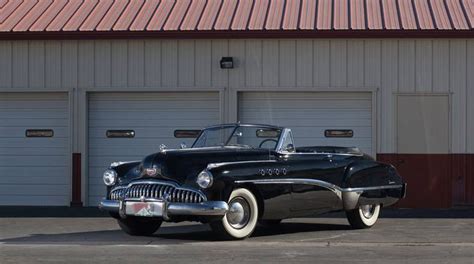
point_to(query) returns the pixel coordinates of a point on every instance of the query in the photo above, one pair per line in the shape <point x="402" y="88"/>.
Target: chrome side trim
<point x="363" y="189"/>
<point x="319" y="183"/>
<point x="320" y="153"/>
<point x="336" y="189"/>
<point x="216" y="165"/>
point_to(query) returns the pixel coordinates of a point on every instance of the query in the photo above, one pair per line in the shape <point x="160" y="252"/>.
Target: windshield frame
<point x="236" y="126"/>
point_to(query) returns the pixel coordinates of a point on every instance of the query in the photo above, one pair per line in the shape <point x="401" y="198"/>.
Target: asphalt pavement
<point x="410" y="236"/>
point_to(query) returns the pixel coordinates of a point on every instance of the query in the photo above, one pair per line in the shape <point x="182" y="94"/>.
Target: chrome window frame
<point x="286" y="132"/>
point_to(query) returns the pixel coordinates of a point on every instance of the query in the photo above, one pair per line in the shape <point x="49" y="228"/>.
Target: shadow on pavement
<point x="166" y="235"/>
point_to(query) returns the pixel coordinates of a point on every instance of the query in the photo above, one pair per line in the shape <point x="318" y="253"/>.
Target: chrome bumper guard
<point x="208" y="208"/>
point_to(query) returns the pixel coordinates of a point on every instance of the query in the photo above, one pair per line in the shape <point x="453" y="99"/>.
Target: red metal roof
<point x="253" y="17"/>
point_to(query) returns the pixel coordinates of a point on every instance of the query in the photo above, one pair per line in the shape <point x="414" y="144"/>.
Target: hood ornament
<point x="151" y="172"/>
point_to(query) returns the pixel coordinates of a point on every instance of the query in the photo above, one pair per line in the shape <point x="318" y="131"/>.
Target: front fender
<point x="126" y="171"/>
<point x="226" y="176"/>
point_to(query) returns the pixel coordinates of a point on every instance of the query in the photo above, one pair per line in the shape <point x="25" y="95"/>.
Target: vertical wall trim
<point x="233" y="106"/>
<point x="76" y="200"/>
<point x="374" y="118"/>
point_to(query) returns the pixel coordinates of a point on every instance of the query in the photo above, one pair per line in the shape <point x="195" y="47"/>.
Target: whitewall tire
<point x="364" y="217"/>
<point x="241" y="219"/>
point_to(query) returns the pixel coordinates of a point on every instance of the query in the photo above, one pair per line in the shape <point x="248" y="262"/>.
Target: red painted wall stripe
<point x="435" y="180"/>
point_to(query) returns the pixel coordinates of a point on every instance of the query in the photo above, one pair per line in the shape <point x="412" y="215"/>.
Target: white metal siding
<point x="392" y="65"/>
<point x="34" y="171"/>
<point x="153" y="116"/>
<point x="309" y="114"/>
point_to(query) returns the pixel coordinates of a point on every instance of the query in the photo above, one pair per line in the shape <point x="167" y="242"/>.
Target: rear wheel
<point x="363" y="217"/>
<point x="241" y="219"/>
<point x="138" y="226"/>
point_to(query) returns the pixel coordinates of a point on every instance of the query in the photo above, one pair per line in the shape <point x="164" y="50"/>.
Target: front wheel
<point x="241" y="219"/>
<point x="138" y="226"/>
<point x="363" y="217"/>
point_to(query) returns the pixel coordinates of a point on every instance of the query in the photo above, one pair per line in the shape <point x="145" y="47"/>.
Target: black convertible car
<point x="237" y="175"/>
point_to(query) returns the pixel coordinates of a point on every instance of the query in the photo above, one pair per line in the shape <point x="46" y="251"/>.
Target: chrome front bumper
<point x="208" y="208"/>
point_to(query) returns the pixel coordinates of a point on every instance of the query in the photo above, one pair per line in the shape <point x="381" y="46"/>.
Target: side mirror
<point x="183" y="145"/>
<point x="290" y="148"/>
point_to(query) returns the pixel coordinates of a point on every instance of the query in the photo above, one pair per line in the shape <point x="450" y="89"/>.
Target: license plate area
<point x="145" y="209"/>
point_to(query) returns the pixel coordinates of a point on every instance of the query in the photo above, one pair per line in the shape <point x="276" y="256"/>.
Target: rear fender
<point x="369" y="182"/>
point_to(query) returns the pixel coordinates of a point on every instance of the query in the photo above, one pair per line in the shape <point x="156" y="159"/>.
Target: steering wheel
<point x="267" y="140"/>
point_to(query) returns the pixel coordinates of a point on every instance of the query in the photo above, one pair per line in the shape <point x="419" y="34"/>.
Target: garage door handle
<point x="400" y="162"/>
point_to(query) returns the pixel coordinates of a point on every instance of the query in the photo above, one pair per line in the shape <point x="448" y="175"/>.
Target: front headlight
<point x="204" y="179"/>
<point x="110" y="177"/>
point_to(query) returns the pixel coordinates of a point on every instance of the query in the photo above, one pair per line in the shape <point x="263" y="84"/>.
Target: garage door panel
<point x="34" y="161"/>
<point x="32" y="151"/>
<point x="155" y="96"/>
<point x="329" y="123"/>
<point x="95" y="199"/>
<point x="35" y="123"/>
<point x="152" y="116"/>
<point x="34" y="142"/>
<point x="34" y="171"/>
<point x="318" y="131"/>
<point x="35" y="200"/>
<point x="152" y="143"/>
<point x="24" y="105"/>
<point x="309" y="114"/>
<point x="37" y="179"/>
<point x="37" y="189"/>
<point x="147" y="115"/>
<point x="139" y="150"/>
<point x="325" y="114"/>
<point x="97" y="190"/>
<point x="127" y="123"/>
<point x="308" y="104"/>
<point x="26" y="172"/>
<point x="150" y="104"/>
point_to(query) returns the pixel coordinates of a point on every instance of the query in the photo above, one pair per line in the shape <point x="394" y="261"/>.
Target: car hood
<point x="183" y="165"/>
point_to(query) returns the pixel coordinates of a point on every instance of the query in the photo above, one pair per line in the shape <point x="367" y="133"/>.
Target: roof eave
<point x="221" y="34"/>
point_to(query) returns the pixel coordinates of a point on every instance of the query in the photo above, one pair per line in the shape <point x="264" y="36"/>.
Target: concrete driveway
<point x="396" y="238"/>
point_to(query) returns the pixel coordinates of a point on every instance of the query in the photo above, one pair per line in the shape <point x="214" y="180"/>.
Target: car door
<point x="313" y="173"/>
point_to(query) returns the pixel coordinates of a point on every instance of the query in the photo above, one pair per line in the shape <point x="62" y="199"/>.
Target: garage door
<point x="138" y="123"/>
<point x="310" y="114"/>
<point x="34" y="147"/>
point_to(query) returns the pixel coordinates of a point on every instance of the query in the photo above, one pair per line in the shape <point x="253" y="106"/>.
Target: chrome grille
<point x="157" y="191"/>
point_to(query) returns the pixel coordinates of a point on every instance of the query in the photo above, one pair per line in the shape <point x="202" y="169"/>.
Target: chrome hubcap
<point x="367" y="210"/>
<point x="239" y="213"/>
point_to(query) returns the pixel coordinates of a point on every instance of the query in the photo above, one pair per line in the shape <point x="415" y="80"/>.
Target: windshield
<point x="241" y="136"/>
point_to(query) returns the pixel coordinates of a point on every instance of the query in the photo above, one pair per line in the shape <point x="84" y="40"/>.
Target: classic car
<point x="235" y="176"/>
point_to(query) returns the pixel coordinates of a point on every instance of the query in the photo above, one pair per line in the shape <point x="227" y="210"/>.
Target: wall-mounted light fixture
<point x="227" y="63"/>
